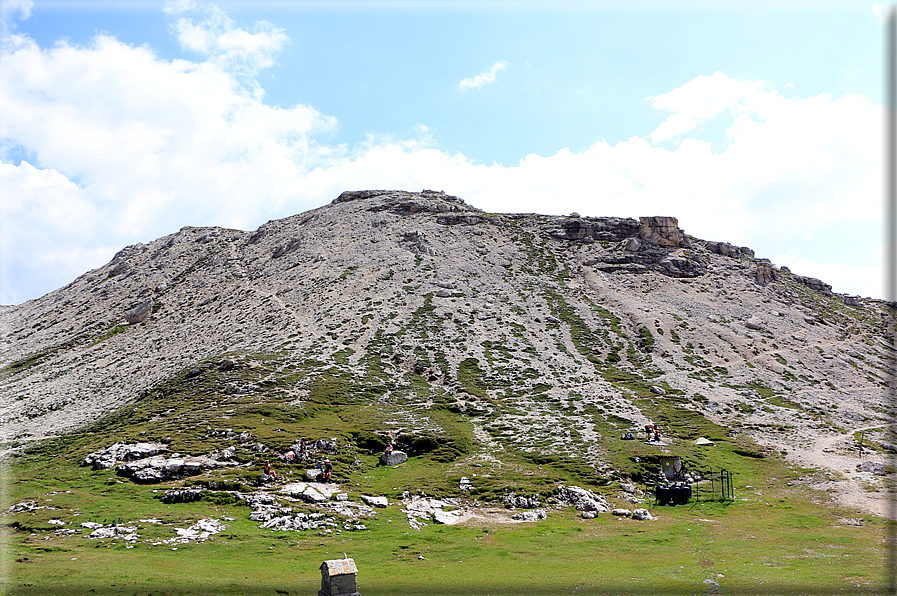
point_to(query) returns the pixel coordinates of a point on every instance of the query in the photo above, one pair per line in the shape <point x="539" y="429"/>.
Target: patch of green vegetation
<point x="783" y="402"/>
<point x="333" y="387"/>
<point x="647" y="339"/>
<point x="743" y="407"/>
<point x="26" y="362"/>
<point x="349" y="271"/>
<point x="764" y="391"/>
<point x="471" y="377"/>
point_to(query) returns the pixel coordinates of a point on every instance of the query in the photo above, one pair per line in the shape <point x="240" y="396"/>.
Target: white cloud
<point x="128" y="147"/>
<point x="47" y="225"/>
<point x="484" y="78"/>
<point x="11" y="10"/>
<point x="152" y="144"/>
<point x="860" y="280"/>
<point x="216" y="36"/>
<point x="702" y="98"/>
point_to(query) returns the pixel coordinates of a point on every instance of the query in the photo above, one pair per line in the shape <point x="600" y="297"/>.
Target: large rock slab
<point x="448" y="518"/>
<point x="315" y="492"/>
<point x="530" y="516"/>
<point x="139" y="313"/>
<point x="105" y="459"/>
<point x="375" y="501"/>
<point x="393" y="459"/>
<point x="875" y="467"/>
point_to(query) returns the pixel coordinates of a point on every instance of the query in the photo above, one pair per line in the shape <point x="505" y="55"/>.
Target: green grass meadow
<point x="769" y="540"/>
<point x="776" y="537"/>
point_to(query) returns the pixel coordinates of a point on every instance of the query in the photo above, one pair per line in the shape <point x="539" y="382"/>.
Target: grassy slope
<point x="772" y="539"/>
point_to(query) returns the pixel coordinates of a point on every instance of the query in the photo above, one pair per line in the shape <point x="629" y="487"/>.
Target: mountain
<point x="460" y="333"/>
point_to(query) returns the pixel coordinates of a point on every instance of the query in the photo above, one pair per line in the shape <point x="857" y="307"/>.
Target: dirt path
<point x="860" y="491"/>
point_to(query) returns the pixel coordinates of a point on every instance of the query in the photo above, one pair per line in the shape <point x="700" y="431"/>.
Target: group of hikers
<point x="300" y="453"/>
<point x="650" y="429"/>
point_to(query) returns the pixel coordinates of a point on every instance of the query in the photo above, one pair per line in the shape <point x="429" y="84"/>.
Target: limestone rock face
<point x="815" y="284"/>
<point x="765" y="274"/>
<point x="608" y="229"/>
<point x="662" y="231"/>
<point x="729" y="250"/>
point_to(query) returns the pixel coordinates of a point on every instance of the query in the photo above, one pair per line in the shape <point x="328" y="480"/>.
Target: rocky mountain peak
<point x="547" y="333"/>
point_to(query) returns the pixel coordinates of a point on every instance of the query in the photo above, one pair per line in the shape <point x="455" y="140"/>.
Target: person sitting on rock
<point x="270" y="471"/>
<point x="327" y="476"/>
<point x="388" y="449"/>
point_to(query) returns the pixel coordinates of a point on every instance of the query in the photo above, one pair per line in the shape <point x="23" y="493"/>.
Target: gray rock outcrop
<point x="524" y="502"/>
<point x="875" y="467"/>
<point x="394" y="458"/>
<point x="105" y="459"/>
<point x="754" y="322"/>
<point x="530" y="516"/>
<point x="582" y="499"/>
<point x="139" y="313"/>
<point x="662" y="231"/>
<point x="765" y="273"/>
<point x="375" y="501"/>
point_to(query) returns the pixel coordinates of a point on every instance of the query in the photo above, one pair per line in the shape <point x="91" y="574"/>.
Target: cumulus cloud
<point x="484" y="78"/>
<point x="703" y="98"/>
<point x="208" y="31"/>
<point x="149" y="144"/>
<point x="128" y="147"/>
<point x="862" y="280"/>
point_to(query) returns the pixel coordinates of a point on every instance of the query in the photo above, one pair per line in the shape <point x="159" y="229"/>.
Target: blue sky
<point x="752" y="122"/>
